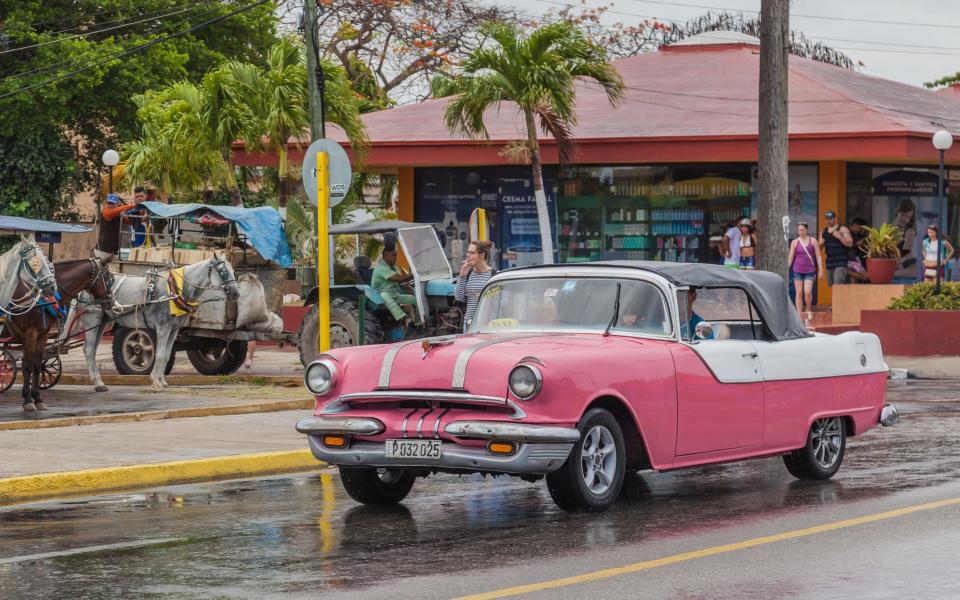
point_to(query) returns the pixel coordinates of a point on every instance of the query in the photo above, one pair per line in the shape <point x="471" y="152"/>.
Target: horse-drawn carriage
<point x="215" y="338"/>
<point x="30" y="301"/>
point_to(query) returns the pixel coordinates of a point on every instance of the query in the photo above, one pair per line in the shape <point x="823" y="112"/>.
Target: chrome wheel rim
<point x="598" y="459"/>
<point x="138" y="351"/>
<point x="825" y="440"/>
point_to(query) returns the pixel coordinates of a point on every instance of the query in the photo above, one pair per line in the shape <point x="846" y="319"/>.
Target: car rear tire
<point x="820" y="459"/>
<point x="379" y="487"/>
<point x="592" y="477"/>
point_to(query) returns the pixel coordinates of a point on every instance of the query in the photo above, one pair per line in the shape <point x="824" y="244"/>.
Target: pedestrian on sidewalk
<point x="748" y="245"/>
<point x="730" y="247"/>
<point x="930" y="254"/>
<point x="856" y="269"/>
<point x="804" y="266"/>
<point x="836" y="241"/>
<point x="251" y="348"/>
<point x="475" y="272"/>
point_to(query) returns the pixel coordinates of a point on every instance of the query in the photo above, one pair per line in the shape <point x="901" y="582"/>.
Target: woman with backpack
<point x="805" y="262"/>
<point x="474" y="274"/>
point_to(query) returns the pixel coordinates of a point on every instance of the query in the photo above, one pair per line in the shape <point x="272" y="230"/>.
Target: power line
<point x="803" y="16"/>
<point x="73" y="60"/>
<point x="812" y="37"/>
<point x="135" y="49"/>
<point x="105" y="29"/>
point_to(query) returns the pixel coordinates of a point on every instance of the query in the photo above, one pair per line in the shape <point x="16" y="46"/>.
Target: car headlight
<point x="525" y="381"/>
<point x="320" y="377"/>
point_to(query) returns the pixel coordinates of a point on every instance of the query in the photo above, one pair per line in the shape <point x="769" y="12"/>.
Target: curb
<point x="88" y="481"/>
<point x="158" y="415"/>
<point x="109" y="379"/>
<point x="897" y="374"/>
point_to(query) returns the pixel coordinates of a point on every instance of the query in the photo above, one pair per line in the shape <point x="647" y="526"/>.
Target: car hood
<point x="475" y="363"/>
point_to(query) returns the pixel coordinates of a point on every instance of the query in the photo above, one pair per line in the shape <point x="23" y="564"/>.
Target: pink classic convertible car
<point x="580" y="373"/>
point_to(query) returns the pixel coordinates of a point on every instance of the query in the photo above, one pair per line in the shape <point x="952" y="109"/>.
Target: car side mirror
<point x="703" y="331"/>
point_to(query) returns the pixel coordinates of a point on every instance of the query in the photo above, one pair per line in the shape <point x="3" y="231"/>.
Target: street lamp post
<point x="942" y="140"/>
<point x="110" y="159"/>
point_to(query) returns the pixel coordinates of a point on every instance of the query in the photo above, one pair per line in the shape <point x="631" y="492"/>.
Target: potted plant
<point x="882" y="247"/>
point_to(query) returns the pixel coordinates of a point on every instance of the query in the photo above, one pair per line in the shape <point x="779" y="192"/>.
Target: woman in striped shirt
<point x="474" y="274"/>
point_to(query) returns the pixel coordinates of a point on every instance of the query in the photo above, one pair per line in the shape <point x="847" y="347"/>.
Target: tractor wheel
<point x="344" y="328"/>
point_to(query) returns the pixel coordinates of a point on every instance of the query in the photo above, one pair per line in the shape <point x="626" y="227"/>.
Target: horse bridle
<point x="25" y="303"/>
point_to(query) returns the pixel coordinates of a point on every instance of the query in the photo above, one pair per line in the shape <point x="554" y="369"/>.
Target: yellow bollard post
<point x="323" y="250"/>
<point x="481" y="224"/>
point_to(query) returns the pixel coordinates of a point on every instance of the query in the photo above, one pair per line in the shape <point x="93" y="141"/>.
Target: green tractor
<point x="357" y="312"/>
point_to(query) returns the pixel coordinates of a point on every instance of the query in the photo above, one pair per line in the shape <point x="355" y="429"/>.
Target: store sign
<point x="907" y="183"/>
<point x="340" y="172"/>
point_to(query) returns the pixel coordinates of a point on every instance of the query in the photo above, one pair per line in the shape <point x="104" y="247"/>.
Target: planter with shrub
<point x="882" y="247"/>
<point x="921" y="323"/>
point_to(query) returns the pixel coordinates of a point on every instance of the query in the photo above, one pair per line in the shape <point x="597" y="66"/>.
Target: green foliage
<point x="945" y="81"/>
<point x="922" y="297"/>
<point x="77" y="118"/>
<point x="882" y="242"/>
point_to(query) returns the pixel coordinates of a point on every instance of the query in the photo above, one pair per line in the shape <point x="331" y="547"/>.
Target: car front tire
<point x="591" y="478"/>
<point x="378" y="487"/>
<point x="820" y="459"/>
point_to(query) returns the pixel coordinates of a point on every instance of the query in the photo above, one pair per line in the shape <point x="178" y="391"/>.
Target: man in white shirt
<point x="730" y="247"/>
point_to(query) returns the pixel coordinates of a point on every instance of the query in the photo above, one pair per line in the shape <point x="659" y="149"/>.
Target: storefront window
<point x="446" y="197"/>
<point x="671" y="213"/>
<point x="908" y="198"/>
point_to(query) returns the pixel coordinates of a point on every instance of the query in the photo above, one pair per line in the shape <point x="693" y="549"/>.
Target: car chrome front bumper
<point x="540" y="448"/>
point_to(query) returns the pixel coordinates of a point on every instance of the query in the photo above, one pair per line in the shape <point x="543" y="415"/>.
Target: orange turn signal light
<point x="335" y="441"/>
<point x="501" y="447"/>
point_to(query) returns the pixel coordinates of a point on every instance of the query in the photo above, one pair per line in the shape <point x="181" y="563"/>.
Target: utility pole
<point x="315" y="82"/>
<point x="772" y="128"/>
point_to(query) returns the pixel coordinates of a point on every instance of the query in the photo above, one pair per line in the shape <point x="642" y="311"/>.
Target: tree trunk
<point x="236" y="198"/>
<point x="773" y="160"/>
<point x="314" y="87"/>
<point x="543" y="215"/>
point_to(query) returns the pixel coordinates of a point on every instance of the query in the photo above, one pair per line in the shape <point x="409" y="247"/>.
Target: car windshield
<point x="572" y="303"/>
<point x="422" y="248"/>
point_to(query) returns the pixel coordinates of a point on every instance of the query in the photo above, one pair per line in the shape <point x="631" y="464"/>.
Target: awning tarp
<point x="20" y="224"/>
<point x="262" y="225"/>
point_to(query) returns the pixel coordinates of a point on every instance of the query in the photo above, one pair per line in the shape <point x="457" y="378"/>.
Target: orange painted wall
<point x="833" y="196"/>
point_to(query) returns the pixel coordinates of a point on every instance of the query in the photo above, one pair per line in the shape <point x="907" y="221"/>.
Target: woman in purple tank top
<point x="804" y="261"/>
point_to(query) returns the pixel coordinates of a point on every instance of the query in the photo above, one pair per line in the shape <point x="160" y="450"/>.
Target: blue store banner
<point x="446" y="197"/>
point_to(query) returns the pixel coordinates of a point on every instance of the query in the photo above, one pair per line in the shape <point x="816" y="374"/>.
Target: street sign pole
<point x="323" y="250"/>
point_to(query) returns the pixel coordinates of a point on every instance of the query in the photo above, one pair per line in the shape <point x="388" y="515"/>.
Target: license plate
<point x="412" y="449"/>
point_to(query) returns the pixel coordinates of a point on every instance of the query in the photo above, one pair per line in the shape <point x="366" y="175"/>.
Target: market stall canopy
<point x="371" y="227"/>
<point x="262" y="225"/>
<point x="22" y="225"/>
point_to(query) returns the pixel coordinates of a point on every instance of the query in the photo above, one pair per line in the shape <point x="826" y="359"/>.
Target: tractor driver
<point x="390" y="282"/>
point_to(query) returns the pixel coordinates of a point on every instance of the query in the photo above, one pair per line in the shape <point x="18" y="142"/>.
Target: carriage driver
<point x="108" y="236"/>
<point x="390" y="283"/>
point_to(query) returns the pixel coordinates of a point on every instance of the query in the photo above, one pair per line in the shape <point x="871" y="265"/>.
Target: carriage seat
<point x="363" y="268"/>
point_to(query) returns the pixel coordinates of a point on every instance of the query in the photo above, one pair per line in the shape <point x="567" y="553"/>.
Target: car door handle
<point x="750" y="355"/>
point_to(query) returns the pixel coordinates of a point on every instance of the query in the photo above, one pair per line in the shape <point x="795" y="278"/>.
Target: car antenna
<point x="616" y="313"/>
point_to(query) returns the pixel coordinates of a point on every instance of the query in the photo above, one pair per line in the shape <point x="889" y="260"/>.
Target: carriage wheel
<point x="8" y="370"/>
<point x="50" y="372"/>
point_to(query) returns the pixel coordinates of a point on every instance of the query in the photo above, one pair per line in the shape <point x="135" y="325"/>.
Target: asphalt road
<point x="885" y="527"/>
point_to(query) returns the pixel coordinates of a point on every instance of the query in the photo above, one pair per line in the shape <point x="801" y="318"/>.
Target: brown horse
<point x="32" y="328"/>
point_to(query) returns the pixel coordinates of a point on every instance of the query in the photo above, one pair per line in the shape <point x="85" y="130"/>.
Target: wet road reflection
<point x="299" y="535"/>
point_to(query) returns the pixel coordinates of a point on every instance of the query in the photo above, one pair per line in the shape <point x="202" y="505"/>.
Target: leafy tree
<point x="945" y="81"/>
<point x="537" y="72"/>
<point x="80" y="115"/>
<point x="187" y="130"/>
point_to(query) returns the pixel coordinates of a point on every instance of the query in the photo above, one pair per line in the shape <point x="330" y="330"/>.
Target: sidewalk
<point x="268" y="360"/>
<point x="99" y="457"/>
<point x="927" y="367"/>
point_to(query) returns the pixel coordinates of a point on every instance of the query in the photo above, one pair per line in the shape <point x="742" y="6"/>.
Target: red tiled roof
<point x="694" y="93"/>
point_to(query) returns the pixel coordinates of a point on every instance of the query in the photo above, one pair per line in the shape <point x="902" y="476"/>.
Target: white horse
<point x="24" y="264"/>
<point x="144" y="303"/>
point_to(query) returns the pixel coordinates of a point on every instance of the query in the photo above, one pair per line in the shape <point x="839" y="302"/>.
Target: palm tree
<point x="278" y="98"/>
<point x="538" y="73"/>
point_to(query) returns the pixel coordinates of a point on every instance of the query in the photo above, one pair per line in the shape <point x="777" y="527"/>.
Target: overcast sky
<point x="911" y="51"/>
